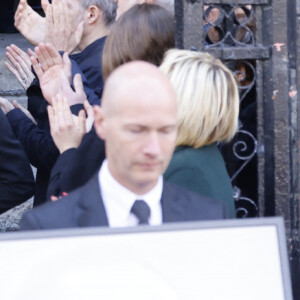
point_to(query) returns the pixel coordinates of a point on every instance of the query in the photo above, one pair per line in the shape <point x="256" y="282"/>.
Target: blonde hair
<point x="207" y="96"/>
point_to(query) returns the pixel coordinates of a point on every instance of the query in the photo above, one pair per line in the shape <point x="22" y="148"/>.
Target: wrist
<point x="64" y="148"/>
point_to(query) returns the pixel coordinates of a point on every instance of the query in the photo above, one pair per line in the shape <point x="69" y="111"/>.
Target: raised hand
<point x="66" y="129"/>
<point x="21" y="65"/>
<point x="53" y="71"/>
<point x="30" y="24"/>
<point x="62" y="29"/>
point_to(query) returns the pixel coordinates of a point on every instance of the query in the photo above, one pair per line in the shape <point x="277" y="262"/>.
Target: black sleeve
<point x="16" y="178"/>
<point x="38" y="144"/>
<point x="75" y="167"/>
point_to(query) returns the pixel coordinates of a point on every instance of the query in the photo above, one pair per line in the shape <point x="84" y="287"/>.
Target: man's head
<point x="108" y="9"/>
<point x="124" y="5"/>
<point x="96" y="15"/>
<point x="138" y="123"/>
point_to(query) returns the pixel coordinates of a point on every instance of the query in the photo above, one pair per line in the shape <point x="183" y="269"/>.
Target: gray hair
<point x="166" y="4"/>
<point x="108" y="7"/>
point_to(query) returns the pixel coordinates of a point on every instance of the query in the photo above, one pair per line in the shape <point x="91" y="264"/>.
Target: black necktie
<point x="141" y="210"/>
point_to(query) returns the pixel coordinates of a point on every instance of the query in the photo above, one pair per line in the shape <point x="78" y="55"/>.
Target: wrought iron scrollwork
<point x="229" y="25"/>
<point x="243" y="150"/>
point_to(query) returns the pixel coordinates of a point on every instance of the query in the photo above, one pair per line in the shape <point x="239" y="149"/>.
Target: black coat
<point x="16" y="178"/>
<point x="37" y="140"/>
<point x="75" y="167"/>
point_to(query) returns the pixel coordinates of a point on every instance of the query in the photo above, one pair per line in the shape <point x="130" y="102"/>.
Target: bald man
<point x="137" y="121"/>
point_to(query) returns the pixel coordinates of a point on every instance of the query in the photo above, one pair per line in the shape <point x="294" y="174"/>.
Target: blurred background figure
<point x="208" y="108"/>
<point x="16" y="178"/>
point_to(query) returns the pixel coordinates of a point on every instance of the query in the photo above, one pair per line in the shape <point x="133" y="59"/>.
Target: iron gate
<point x="258" y="40"/>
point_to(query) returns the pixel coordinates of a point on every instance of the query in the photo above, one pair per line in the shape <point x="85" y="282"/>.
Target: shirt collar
<point x="118" y="200"/>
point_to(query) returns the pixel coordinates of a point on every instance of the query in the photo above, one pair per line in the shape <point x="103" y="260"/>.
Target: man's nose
<point x="153" y="145"/>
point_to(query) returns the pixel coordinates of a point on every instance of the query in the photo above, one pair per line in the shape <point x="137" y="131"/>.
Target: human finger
<point x="22" y="54"/>
<point x="44" y="4"/>
<point x="78" y="85"/>
<point x="66" y="111"/>
<point x="49" y="15"/>
<point x="25" y="68"/>
<point x="17" y="75"/>
<point x="40" y="52"/>
<point x="56" y="58"/>
<point x="67" y="66"/>
<point x="56" y="13"/>
<point x="16" y="62"/>
<point x="30" y="52"/>
<point x="37" y="67"/>
<point x="11" y="59"/>
<point x="21" y="7"/>
<point x="82" y="122"/>
<point x="79" y="33"/>
<point x="88" y="107"/>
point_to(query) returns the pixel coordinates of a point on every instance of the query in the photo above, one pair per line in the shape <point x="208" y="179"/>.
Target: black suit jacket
<point x="84" y="160"/>
<point x="16" y="178"/>
<point x="84" y="208"/>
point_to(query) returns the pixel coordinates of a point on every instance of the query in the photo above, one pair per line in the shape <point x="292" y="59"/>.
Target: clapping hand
<point x="63" y="27"/>
<point x="21" y="65"/>
<point x="54" y="73"/>
<point x="66" y="129"/>
<point x="30" y="24"/>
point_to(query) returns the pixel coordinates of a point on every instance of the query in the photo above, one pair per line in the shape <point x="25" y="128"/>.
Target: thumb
<point x="82" y="122"/>
<point x="44" y="4"/>
<point x="89" y="108"/>
<point x="78" y="85"/>
<point x="78" y="33"/>
<point x="67" y="66"/>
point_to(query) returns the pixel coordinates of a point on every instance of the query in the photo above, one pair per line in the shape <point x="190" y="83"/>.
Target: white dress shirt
<point x="118" y="200"/>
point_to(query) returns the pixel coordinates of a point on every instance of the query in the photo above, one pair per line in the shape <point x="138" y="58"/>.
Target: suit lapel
<point x="91" y="204"/>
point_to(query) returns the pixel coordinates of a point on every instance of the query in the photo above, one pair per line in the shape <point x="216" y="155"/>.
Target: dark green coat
<point x="203" y="171"/>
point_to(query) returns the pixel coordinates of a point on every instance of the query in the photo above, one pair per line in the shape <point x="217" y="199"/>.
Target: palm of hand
<point x="32" y="26"/>
<point x="52" y="82"/>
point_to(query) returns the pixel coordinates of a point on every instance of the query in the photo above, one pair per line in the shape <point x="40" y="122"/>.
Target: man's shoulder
<point x="193" y="204"/>
<point x="54" y="214"/>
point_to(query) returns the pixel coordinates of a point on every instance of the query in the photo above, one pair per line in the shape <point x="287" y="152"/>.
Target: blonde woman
<point x="208" y="105"/>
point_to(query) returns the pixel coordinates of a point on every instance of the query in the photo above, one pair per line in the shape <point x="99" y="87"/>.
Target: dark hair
<point x="144" y="32"/>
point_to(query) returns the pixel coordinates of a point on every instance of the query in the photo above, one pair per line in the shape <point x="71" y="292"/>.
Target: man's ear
<point x="99" y="123"/>
<point x="93" y="13"/>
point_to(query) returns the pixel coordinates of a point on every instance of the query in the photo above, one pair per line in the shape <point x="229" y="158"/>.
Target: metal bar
<point x="240" y="53"/>
<point x="237" y="2"/>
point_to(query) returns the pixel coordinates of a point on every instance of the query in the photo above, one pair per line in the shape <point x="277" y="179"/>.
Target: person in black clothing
<point x="16" y="178"/>
<point x="37" y="141"/>
<point x="141" y="27"/>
